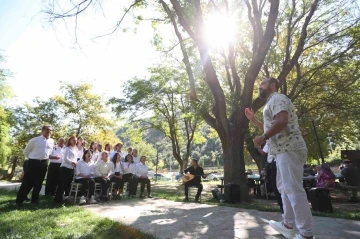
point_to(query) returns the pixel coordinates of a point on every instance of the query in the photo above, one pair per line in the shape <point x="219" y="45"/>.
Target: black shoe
<point x="105" y="198"/>
<point x="197" y="200"/>
<point x="27" y="199"/>
<point x="186" y="199"/>
<point x="19" y="205"/>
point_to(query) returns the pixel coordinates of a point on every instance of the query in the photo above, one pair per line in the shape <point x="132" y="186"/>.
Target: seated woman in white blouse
<point x="118" y="172"/>
<point x="129" y="175"/>
<point x="84" y="175"/>
<point x="103" y="172"/>
<point x="67" y="169"/>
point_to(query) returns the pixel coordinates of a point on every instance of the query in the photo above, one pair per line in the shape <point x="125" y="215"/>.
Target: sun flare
<point x="219" y="30"/>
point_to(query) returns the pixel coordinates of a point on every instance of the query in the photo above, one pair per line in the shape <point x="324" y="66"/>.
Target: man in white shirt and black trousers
<point x="53" y="173"/>
<point x="38" y="152"/>
<point x="142" y="177"/>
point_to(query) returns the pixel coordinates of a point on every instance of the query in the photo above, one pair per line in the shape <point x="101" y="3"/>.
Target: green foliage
<point x="5" y="93"/>
<point x="84" y="109"/>
<point x="5" y="149"/>
<point x="132" y="135"/>
<point x="165" y="106"/>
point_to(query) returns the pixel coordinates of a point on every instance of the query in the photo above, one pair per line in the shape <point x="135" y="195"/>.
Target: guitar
<point x="188" y="177"/>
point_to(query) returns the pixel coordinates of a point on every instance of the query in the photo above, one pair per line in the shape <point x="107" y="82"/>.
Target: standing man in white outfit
<point x="38" y="152"/>
<point x="286" y="143"/>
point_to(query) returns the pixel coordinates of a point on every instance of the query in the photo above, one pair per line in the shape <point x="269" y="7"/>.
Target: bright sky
<point x="40" y="56"/>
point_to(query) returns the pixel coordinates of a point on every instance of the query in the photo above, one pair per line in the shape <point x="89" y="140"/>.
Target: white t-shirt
<point x="80" y="152"/>
<point x="39" y="148"/>
<point x="136" y="159"/>
<point x="85" y="168"/>
<point x="117" y="168"/>
<point x="95" y="156"/>
<point x="141" y="170"/>
<point x="290" y="138"/>
<point x="70" y="156"/>
<point x="129" y="168"/>
<point x="57" y="151"/>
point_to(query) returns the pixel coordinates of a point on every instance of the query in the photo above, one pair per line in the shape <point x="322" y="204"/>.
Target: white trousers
<point x="290" y="169"/>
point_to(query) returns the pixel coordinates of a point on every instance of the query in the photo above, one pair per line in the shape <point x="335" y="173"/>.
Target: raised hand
<point x="249" y="113"/>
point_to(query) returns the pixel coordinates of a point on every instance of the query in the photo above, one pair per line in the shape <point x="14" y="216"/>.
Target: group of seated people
<point x="92" y="166"/>
<point x="349" y="175"/>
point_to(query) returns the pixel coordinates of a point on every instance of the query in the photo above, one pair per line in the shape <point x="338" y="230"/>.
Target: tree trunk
<point x="234" y="164"/>
<point x="13" y="167"/>
<point x="184" y="164"/>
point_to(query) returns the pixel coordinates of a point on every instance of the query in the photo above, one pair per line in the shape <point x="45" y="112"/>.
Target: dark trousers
<point x="129" y="177"/>
<point x="117" y="181"/>
<point x="66" y="177"/>
<point x="199" y="186"/>
<point x="87" y="186"/>
<point x="34" y="175"/>
<point x="105" y="184"/>
<point x="142" y="182"/>
<point x="52" y="179"/>
<point x="273" y="172"/>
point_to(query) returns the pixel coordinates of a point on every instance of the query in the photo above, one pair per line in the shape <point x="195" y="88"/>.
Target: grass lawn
<point x="47" y="220"/>
<point x="175" y="192"/>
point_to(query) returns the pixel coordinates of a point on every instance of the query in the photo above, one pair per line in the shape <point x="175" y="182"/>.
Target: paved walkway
<point x="9" y="185"/>
<point x="168" y="219"/>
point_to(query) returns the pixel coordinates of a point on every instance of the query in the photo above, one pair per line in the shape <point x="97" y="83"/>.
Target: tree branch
<point x="288" y="66"/>
<point x="186" y="59"/>
<point x="117" y="25"/>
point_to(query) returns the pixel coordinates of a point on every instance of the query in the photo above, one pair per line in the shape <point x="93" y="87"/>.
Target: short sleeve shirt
<point x="290" y="137"/>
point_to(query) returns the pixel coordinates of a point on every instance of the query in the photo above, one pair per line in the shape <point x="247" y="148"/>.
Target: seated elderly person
<point x="352" y="178"/>
<point x="103" y="172"/>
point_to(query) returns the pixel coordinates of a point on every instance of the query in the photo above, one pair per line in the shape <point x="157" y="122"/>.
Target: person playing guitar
<point x="198" y="172"/>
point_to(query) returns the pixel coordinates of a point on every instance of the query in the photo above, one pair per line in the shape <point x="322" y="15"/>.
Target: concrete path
<point x="168" y="219"/>
<point x="10" y="185"/>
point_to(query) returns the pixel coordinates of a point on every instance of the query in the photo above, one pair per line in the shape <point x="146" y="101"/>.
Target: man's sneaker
<point x="92" y="200"/>
<point x="279" y="226"/>
<point x="82" y="200"/>
<point x="186" y="199"/>
<point x="298" y="236"/>
<point x="149" y="196"/>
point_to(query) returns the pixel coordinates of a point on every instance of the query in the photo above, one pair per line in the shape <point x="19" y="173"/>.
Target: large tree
<point x="292" y="40"/>
<point x="169" y="109"/>
<point x="85" y="111"/>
